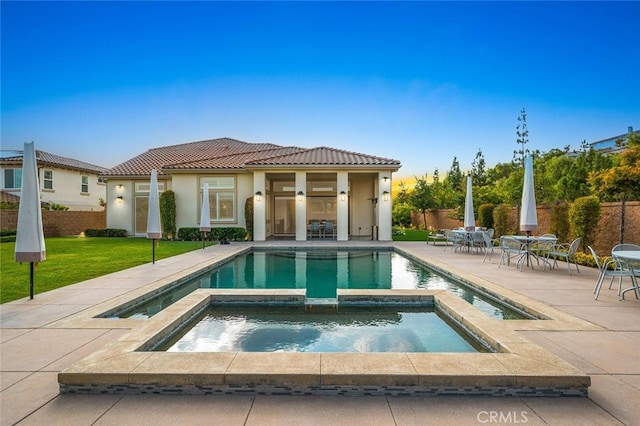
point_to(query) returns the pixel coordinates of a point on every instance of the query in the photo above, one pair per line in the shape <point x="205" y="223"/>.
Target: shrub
<point x="168" y="213"/>
<point x="106" y="232"/>
<point x="485" y="215"/>
<point x="559" y="219"/>
<point x="584" y="216"/>
<point x="54" y="206"/>
<point x="194" y="234"/>
<point x="401" y="214"/>
<point x="248" y="217"/>
<point x="501" y="219"/>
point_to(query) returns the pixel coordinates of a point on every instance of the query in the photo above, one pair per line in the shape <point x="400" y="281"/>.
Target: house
<point x="613" y="144"/>
<point x="64" y="181"/>
<point x="290" y="188"/>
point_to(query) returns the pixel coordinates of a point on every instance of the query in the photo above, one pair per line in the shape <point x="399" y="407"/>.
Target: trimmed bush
<point x="584" y="215"/>
<point x="501" y="219"/>
<point x="401" y="214"/>
<point x="248" y="217"/>
<point x="106" y="232"/>
<point x="168" y="213"/>
<point x="559" y="219"/>
<point x="485" y="215"/>
<point x="194" y="234"/>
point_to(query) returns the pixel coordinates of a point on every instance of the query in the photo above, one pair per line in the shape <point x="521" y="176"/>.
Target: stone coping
<point x="517" y="367"/>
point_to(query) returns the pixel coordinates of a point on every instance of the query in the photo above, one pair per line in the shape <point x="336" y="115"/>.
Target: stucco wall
<point x="608" y="227"/>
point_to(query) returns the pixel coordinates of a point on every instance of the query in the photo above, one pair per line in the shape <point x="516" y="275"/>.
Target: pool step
<point x="321" y="304"/>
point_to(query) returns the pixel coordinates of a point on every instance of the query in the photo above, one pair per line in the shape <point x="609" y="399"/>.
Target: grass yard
<point x="71" y="260"/>
<point x="412" y="235"/>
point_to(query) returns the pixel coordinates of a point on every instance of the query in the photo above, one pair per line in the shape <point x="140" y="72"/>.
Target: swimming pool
<point x="321" y="273"/>
<point x="296" y="329"/>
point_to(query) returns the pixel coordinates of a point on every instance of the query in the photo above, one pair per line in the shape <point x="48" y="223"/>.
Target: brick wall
<point x="608" y="235"/>
<point x="59" y="223"/>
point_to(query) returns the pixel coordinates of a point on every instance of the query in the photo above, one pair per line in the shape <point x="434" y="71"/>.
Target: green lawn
<point x="71" y="260"/>
<point x="412" y="235"/>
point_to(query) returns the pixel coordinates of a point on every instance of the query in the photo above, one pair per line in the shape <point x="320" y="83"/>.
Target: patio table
<point x="631" y="257"/>
<point x="527" y="242"/>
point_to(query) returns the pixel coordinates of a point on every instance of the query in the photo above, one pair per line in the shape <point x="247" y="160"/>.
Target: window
<point x="85" y="184"/>
<point x="48" y="179"/>
<point x="12" y="178"/>
<point x="222" y="197"/>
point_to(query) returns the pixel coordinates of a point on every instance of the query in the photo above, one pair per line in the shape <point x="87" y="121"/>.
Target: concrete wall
<point x="608" y="227"/>
<point x="59" y="223"/>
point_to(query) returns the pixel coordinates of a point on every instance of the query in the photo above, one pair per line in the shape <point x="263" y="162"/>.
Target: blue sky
<point x="420" y="82"/>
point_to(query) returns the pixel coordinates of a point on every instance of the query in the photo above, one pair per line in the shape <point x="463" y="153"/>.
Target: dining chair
<point x="329" y="229"/>
<point x="489" y="245"/>
<point x="630" y="265"/>
<point x="314" y="229"/>
<point x="619" y="269"/>
<point x="510" y="248"/>
<point x="563" y="251"/>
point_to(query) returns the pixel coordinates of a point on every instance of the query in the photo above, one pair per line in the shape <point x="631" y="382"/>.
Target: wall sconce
<point x="120" y="199"/>
<point x="119" y="187"/>
<point x="258" y="196"/>
<point x="343" y="195"/>
<point x="385" y="195"/>
<point x="300" y="195"/>
<point x="385" y="178"/>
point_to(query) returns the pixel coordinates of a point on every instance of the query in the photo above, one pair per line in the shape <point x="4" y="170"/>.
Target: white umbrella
<point x="154" y="230"/>
<point x="205" y="216"/>
<point x="469" y="218"/>
<point x="30" y="236"/>
<point x="528" y="213"/>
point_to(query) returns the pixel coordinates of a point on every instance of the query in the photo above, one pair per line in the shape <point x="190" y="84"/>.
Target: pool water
<point x="322" y="273"/>
<point x="292" y="329"/>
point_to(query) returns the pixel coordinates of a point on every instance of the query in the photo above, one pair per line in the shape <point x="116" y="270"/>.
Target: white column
<point x="384" y="206"/>
<point x="259" y="209"/>
<point x="343" y="206"/>
<point x="301" y="206"/>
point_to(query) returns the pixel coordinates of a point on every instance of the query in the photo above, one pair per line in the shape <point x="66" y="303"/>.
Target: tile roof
<point x="46" y="159"/>
<point x="227" y="153"/>
<point x="324" y="156"/>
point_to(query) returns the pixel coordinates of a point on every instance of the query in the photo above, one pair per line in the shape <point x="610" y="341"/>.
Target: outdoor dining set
<point x="624" y="261"/>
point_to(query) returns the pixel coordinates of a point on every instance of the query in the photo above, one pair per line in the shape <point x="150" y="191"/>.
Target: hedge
<point x="106" y="232"/>
<point x="194" y="234"/>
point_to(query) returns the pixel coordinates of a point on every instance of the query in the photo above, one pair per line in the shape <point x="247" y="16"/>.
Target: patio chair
<point x="489" y="245"/>
<point x="630" y="265"/>
<point x="563" y="251"/>
<point x="329" y="229"/>
<point x="314" y="229"/>
<point x="510" y="248"/>
<point x="620" y="270"/>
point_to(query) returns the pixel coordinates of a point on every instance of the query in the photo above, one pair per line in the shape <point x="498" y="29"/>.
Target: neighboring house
<point x="614" y="143"/>
<point x="65" y="181"/>
<point x="291" y="187"/>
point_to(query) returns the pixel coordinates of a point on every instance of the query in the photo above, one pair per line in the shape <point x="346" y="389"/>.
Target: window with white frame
<point x="84" y="186"/>
<point x="47" y="182"/>
<point x="12" y="178"/>
<point x="222" y="197"/>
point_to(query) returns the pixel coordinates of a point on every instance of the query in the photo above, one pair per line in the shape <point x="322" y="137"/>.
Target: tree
<point x="421" y="198"/>
<point x="523" y="138"/>
<point x="454" y="178"/>
<point x="478" y="171"/>
<point x="168" y="213"/>
<point x="622" y="181"/>
<point x="402" y="197"/>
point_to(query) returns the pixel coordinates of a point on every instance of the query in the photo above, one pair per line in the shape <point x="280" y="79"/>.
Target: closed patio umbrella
<point x="154" y="230"/>
<point x="205" y="215"/>
<point x="469" y="218"/>
<point x="30" y="235"/>
<point x="528" y="213"/>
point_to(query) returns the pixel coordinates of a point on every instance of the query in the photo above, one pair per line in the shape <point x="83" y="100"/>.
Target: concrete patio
<point x="33" y="353"/>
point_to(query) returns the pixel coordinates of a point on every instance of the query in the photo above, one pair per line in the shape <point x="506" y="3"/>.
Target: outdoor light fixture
<point x="120" y="199"/>
<point x="300" y="195"/>
<point x="385" y="178"/>
<point x="258" y="196"/>
<point x="343" y="195"/>
<point x="385" y="195"/>
<point x="119" y="186"/>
